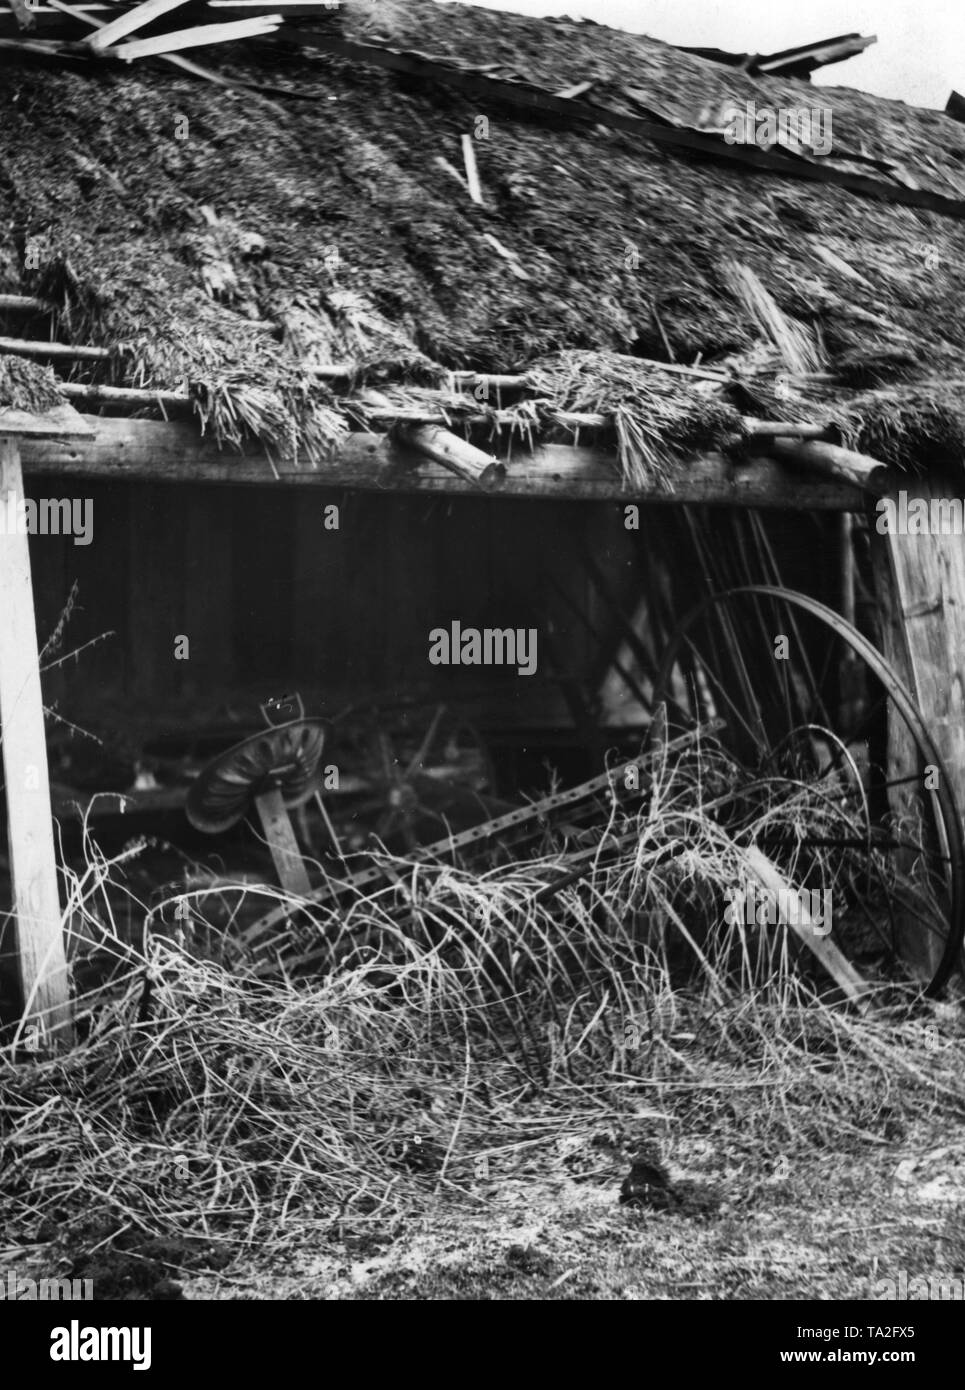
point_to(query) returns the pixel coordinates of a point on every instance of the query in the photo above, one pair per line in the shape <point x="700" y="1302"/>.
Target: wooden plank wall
<point x="271" y="600"/>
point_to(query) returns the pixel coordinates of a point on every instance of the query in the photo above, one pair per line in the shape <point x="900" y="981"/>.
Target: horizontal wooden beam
<point x="166" y="451"/>
<point x="22" y="347"/>
<point x="126" y="396"/>
<point x="24" y="304"/>
<point x="61" y="422"/>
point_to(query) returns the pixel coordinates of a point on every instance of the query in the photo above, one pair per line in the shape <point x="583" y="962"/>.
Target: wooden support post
<point x="920" y="581"/>
<point x="33" y="867"/>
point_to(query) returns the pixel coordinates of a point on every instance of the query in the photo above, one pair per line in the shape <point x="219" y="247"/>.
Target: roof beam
<point x="174" y="452"/>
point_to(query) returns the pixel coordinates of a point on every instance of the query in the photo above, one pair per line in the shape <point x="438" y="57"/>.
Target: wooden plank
<point x="62" y="422"/>
<point x="822" y="947"/>
<point x="127" y="23"/>
<point x="156" y="598"/>
<point x="262" y="599"/>
<point x="40" y="946"/>
<point x="206" y="604"/>
<point x="288" y="859"/>
<point x="173" y="452"/>
<point x="797" y="62"/>
<point x="199" y="37"/>
<point x="331" y="571"/>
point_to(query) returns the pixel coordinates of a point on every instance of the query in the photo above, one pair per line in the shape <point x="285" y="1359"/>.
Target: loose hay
<point x="654" y="419"/>
<point x="462" y="1016"/>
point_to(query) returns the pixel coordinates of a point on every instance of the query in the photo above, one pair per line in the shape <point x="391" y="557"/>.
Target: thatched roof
<point x="285" y="233"/>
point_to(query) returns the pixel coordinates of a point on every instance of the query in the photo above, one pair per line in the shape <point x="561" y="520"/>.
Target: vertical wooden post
<point x="33" y="867"/>
<point x="921" y="595"/>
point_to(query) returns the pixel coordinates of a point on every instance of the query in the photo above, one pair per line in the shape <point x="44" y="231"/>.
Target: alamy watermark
<point x="16" y="1290"/>
<point x="806" y="908"/>
<point x="488" y="646"/>
<point x="76" y="1343"/>
<point x="48" y="516"/>
<point x="937" y="1288"/>
<point x="920" y="516"/>
<point x="791" y="126"/>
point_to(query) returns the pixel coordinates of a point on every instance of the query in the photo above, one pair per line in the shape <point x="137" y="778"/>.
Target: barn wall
<point x="273" y="601"/>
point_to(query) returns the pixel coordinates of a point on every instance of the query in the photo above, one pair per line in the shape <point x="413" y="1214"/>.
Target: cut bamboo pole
<point x="23" y="347"/>
<point x="453" y="453"/>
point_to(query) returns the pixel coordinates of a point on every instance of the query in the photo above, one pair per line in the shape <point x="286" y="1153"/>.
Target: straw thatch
<point x="343" y="224"/>
<point x="25" y="385"/>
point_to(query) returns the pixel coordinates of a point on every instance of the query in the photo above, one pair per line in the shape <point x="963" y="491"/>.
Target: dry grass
<point x="912" y="429"/>
<point x="653" y="420"/>
<point x="26" y="385"/>
<point x="462" y="1018"/>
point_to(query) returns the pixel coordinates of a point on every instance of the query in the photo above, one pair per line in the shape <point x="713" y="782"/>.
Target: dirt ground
<point x="829" y="1226"/>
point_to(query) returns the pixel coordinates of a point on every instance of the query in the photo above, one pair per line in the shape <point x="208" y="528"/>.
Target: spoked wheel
<point x="810" y="702"/>
<point x="415" y="779"/>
